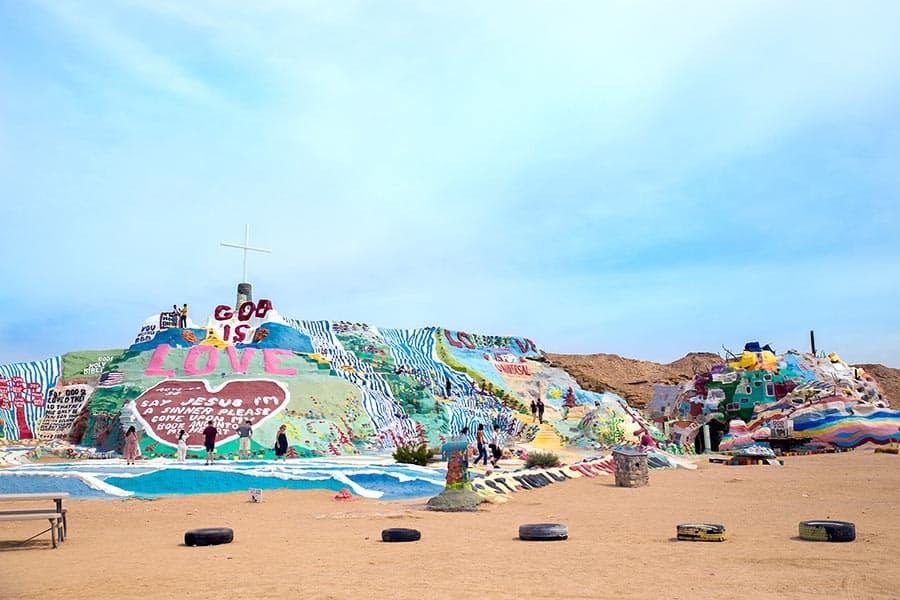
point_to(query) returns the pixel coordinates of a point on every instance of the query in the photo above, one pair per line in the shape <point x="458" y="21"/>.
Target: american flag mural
<point x="111" y="379"/>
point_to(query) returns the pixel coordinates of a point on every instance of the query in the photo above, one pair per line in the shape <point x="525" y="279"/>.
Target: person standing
<point x="132" y="449"/>
<point x="209" y="441"/>
<point x="482" y="447"/>
<point x="533" y="411"/>
<point x="540" y="410"/>
<point x="646" y="440"/>
<point x="184" y="314"/>
<point x="496" y="446"/>
<point x="448" y="386"/>
<point x="245" y="432"/>
<point x="281" y="443"/>
<point x="182" y="446"/>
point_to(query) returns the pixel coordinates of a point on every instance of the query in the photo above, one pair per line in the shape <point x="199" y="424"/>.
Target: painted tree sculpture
<point x="568" y="402"/>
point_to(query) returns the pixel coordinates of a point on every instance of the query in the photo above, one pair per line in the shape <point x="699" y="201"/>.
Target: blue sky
<point x="644" y="179"/>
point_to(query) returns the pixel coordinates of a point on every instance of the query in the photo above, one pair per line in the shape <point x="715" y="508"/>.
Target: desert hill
<point x="630" y="378"/>
<point x="633" y="379"/>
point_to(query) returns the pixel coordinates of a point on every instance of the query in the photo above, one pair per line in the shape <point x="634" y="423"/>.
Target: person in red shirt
<point x="482" y="447"/>
<point x="209" y="440"/>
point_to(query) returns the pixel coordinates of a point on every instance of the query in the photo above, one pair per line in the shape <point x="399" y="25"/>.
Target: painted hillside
<point x="634" y="379"/>
<point x="350" y="388"/>
<point x="762" y="396"/>
<point x="338" y="387"/>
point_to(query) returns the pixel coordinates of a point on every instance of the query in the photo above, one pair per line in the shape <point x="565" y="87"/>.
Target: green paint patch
<point x="86" y="364"/>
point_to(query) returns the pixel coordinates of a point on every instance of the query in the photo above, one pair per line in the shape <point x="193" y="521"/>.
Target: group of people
<point x="179" y="315"/>
<point x="132" y="449"/>
<point x="245" y="434"/>
<point x="495" y="445"/>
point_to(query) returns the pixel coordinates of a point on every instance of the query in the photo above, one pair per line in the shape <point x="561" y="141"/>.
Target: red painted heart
<point x="173" y="405"/>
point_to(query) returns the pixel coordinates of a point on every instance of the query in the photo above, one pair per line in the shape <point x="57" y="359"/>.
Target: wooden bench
<point x="24" y="514"/>
<point x="55" y="519"/>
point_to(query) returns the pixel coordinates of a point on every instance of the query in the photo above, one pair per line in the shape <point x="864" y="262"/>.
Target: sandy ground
<point x="307" y="545"/>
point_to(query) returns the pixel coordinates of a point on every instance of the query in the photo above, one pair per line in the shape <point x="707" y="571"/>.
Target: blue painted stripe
<point x="390" y="420"/>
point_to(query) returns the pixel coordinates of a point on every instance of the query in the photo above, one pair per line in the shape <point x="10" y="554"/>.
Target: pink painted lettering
<point x="190" y="361"/>
<point x="272" y="362"/>
<point x="246" y="355"/>
<point x="154" y="369"/>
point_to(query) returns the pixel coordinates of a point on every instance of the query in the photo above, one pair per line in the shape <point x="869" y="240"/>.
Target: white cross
<point x="245" y="247"/>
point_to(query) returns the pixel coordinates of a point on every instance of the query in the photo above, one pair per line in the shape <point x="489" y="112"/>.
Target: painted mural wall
<point x="338" y="387"/>
<point x="761" y="395"/>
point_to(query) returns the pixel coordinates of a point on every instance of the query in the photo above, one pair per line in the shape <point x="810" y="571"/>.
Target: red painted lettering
<point x="263" y="308"/>
<point x="240" y="333"/>
<point x="246" y="311"/>
<point x="223" y="313"/>
<point x="466" y="340"/>
<point x="450" y="339"/>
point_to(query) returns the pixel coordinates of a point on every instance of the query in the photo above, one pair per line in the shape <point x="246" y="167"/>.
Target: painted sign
<point x="514" y="369"/>
<point x="63" y="407"/>
<point x="203" y="360"/>
<point x="173" y="405"/>
<point x="237" y="326"/>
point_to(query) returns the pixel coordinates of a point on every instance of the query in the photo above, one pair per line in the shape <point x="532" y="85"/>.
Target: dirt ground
<point x="622" y="543"/>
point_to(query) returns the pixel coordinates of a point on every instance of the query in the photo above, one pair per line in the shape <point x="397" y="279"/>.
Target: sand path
<point x="306" y="545"/>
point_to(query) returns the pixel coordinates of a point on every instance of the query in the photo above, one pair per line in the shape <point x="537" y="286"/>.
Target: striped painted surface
<point x="414" y="348"/>
<point x="45" y="373"/>
<point x="388" y="417"/>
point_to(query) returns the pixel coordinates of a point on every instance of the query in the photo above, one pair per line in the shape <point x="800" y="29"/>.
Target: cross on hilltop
<point x="245" y="248"/>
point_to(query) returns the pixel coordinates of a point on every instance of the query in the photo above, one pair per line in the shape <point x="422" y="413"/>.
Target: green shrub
<point x="541" y="459"/>
<point x="413" y="455"/>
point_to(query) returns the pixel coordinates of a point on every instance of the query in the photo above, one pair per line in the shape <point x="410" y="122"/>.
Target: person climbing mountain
<point x="540" y="410"/>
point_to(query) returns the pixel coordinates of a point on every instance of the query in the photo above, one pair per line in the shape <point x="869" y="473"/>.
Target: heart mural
<point x="173" y="405"/>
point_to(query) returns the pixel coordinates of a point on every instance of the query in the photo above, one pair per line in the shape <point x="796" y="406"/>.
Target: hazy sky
<point x="645" y="179"/>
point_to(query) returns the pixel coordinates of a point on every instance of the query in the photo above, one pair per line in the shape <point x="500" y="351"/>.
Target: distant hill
<point x="630" y="378"/>
<point x="633" y="379"/>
